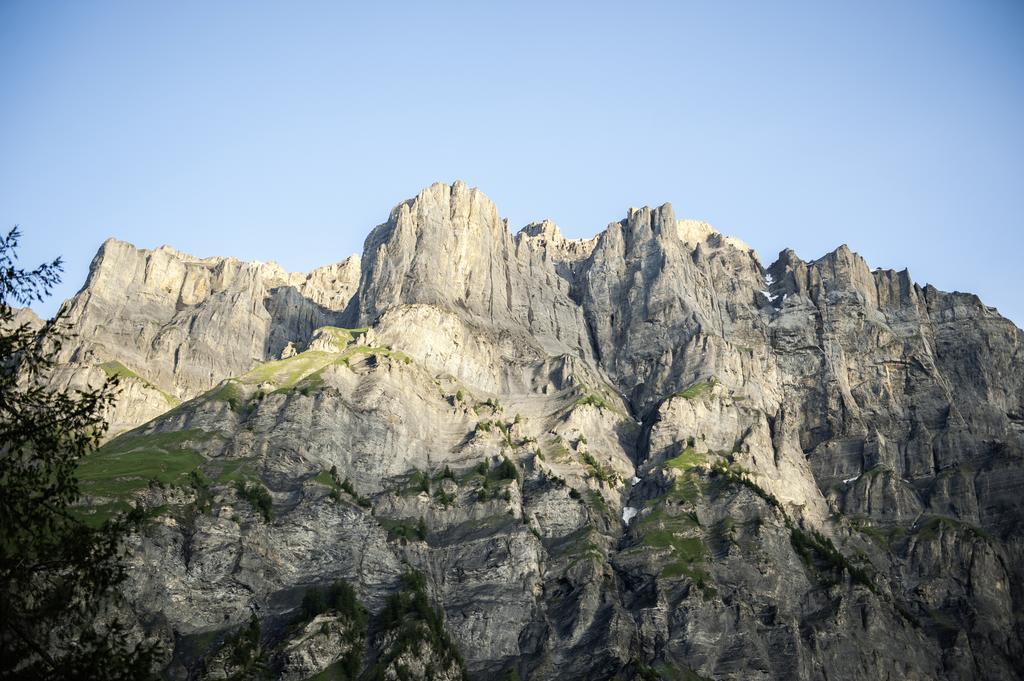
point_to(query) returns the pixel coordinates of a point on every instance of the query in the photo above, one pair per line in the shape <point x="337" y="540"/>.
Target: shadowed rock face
<point x="820" y="465"/>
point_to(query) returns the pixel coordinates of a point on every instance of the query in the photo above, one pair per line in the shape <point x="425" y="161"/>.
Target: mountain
<point x="638" y="456"/>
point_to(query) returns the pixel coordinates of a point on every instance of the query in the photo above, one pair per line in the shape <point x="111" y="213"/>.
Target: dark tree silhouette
<point x="58" y="576"/>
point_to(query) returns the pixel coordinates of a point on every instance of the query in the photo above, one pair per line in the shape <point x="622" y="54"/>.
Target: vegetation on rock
<point x="59" y="577"/>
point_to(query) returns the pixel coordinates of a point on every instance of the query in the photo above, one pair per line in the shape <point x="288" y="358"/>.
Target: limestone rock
<point x="179" y="324"/>
<point x="449" y="248"/>
<point x="608" y="458"/>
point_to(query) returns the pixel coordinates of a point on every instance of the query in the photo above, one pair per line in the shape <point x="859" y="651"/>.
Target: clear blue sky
<point x="286" y="131"/>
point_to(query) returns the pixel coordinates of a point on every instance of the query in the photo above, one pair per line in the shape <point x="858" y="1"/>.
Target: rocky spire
<point x="448" y="247"/>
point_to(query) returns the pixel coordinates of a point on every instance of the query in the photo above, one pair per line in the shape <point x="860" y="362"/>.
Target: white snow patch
<point x="767" y="293"/>
<point x="635" y="481"/>
<point x="628" y="513"/>
<point x="768" y="280"/>
<point x="849" y="480"/>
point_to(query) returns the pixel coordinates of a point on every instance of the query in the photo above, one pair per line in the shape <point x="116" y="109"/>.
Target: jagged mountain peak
<point x="545" y="229"/>
<point x="588" y="450"/>
<point x="456" y="205"/>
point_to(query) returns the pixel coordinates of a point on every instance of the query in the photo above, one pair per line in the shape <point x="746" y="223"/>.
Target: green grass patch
<point x="341" y="338"/>
<point x="687" y="487"/>
<point x="325" y="478"/>
<point x="668" y="527"/>
<point x="677" y="521"/>
<point x="229" y="391"/>
<point x="686" y="555"/>
<point x="688" y="459"/>
<point x="304" y="371"/>
<point x="115" y="369"/>
<point x="134" y="441"/>
<point x="95" y="516"/>
<point x="592" y="400"/>
<point x="682" y="568"/>
<point x="126" y="464"/>
<point x="689" y="549"/>
<point x="121" y="475"/>
<point x="557" y="450"/>
<point x="379" y="351"/>
<point x="123" y="467"/>
<point x="285" y="373"/>
<point x="231" y="471"/>
<point x="696" y="390"/>
<point x="725" y="530"/>
<point x="310" y="383"/>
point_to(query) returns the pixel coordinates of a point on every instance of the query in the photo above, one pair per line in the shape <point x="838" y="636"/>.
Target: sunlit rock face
<point x="641" y="455"/>
<point x="172" y="326"/>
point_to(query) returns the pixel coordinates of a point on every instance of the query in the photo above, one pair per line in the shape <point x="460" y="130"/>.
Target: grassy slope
<point x="120" y="469"/>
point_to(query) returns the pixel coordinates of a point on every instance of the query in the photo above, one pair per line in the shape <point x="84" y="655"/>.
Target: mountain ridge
<point x="607" y="457"/>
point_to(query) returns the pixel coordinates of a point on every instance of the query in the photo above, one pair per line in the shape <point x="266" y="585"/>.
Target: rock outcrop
<point x="449" y="248"/>
<point x="641" y="455"/>
<point x="171" y="326"/>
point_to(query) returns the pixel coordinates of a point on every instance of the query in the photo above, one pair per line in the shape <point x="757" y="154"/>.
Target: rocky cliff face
<point x="172" y="326"/>
<point x="642" y="455"/>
